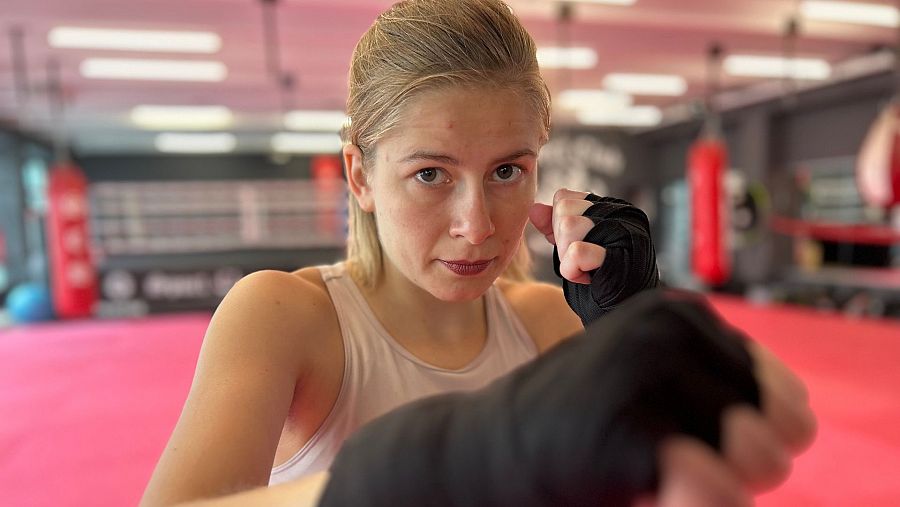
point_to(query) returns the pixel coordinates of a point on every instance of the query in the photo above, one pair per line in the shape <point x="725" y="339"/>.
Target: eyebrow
<point x="446" y="159"/>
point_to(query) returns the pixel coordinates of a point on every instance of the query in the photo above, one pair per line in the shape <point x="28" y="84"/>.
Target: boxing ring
<point x="88" y="406"/>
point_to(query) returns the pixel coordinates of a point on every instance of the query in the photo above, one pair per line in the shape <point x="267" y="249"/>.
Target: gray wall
<point x="765" y="141"/>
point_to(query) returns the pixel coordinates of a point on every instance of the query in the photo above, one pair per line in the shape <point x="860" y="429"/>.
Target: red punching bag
<point x="707" y="162"/>
<point x="878" y="165"/>
<point x="327" y="175"/>
<point x="73" y="280"/>
<point x="706" y="166"/>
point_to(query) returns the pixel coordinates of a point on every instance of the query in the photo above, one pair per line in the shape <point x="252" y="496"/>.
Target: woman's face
<point x="451" y="188"/>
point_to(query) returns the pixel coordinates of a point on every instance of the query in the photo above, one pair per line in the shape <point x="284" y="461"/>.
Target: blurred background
<point x="152" y="152"/>
<point x="205" y="133"/>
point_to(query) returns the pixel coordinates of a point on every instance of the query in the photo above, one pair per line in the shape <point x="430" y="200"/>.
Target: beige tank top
<point x="379" y="374"/>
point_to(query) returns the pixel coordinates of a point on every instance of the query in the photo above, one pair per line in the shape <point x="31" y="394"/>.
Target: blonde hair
<point x="421" y="45"/>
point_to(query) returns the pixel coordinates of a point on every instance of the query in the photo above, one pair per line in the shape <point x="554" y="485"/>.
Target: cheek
<point x="521" y="199"/>
<point x="512" y="215"/>
<point x="404" y="223"/>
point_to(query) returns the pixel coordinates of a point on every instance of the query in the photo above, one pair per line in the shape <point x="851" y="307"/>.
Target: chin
<point x="460" y="294"/>
<point x="461" y="289"/>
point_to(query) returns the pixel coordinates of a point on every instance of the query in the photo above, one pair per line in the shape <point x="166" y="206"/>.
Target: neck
<point x="412" y="314"/>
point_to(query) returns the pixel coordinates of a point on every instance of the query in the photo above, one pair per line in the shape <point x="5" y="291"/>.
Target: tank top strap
<point x="506" y="321"/>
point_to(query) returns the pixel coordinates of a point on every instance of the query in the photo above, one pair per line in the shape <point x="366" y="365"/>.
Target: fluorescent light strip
<point x="170" y="142"/>
<point x="851" y="12"/>
<point x="315" y="121"/>
<point x="290" y="142"/>
<point x="134" y="40"/>
<point x="646" y="84"/>
<point x="635" y="116"/>
<point x="566" y="58"/>
<point x="153" y="70"/>
<point x="577" y="99"/>
<point x="182" y="117"/>
<point x="777" y="67"/>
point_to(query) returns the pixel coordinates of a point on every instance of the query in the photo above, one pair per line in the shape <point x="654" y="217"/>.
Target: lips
<point x="466" y="267"/>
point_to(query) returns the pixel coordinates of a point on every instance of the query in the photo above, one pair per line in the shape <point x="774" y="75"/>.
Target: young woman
<point x="448" y="114"/>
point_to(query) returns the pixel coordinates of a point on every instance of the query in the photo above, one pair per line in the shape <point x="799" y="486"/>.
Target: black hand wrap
<point x="630" y="264"/>
<point x="579" y="426"/>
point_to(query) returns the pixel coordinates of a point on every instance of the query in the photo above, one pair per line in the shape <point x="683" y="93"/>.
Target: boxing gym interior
<point x="153" y="152"/>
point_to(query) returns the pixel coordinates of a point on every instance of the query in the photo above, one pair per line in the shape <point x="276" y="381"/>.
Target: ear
<point x="356" y="177"/>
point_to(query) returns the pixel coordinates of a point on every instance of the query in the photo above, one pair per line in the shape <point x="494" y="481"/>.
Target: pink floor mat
<point x="88" y="406"/>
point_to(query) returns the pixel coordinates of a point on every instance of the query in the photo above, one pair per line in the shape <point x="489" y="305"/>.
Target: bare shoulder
<point x="278" y="304"/>
<point x="291" y="314"/>
<point x="270" y="334"/>
<point x="543" y="310"/>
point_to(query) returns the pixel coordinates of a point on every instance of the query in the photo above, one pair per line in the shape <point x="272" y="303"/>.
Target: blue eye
<point x="507" y="172"/>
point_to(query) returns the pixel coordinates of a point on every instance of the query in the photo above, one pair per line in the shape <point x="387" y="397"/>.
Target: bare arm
<point x="252" y="359"/>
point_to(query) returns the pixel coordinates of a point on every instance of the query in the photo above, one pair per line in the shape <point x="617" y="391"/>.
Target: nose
<point x="472" y="217"/>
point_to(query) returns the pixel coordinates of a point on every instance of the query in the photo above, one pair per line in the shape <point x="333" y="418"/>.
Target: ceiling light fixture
<point x="635" y="116"/>
<point x="851" y="12"/>
<point x="777" y="67"/>
<point x="315" y="121"/>
<point x="134" y="40"/>
<point x="171" y="142"/>
<point x="182" y="117"/>
<point x="153" y="70"/>
<point x="314" y="143"/>
<point x="566" y="58"/>
<point x="646" y="84"/>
